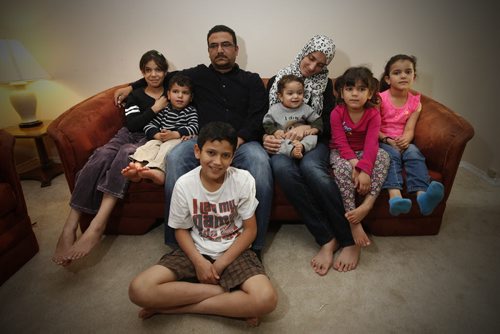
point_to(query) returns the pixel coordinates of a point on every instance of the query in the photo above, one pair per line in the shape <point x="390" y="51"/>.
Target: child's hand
<point x="402" y="142"/>
<point x="120" y="95"/>
<point x="364" y="181"/>
<point x="280" y="134"/>
<point x="163" y="135"/>
<point x="206" y="273"/>
<point x="160" y="104"/>
<point x="169" y="134"/>
<point x="219" y="267"/>
<point x="354" y="177"/>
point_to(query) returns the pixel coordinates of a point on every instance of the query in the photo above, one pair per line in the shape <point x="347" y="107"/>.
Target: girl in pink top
<point x="358" y="163"/>
<point x="400" y="109"/>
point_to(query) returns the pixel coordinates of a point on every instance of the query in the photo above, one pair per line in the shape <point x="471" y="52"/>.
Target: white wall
<point x="88" y="46"/>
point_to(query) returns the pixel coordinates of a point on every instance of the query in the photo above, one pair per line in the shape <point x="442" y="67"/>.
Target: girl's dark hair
<point x="286" y="79"/>
<point x="218" y="131"/>
<point x="181" y="80"/>
<point x="353" y="75"/>
<point x="387" y="69"/>
<point x="155" y="56"/>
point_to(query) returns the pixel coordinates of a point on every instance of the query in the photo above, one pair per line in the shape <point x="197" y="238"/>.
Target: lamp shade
<point x="17" y="64"/>
<point x="17" y="68"/>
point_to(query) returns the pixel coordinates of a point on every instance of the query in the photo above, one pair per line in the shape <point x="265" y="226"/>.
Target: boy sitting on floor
<point x="213" y="214"/>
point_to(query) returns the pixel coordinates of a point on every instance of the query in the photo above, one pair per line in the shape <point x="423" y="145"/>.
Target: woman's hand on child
<point x="297" y="133"/>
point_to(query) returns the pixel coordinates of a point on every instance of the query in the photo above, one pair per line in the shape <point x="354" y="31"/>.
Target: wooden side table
<point x="47" y="169"/>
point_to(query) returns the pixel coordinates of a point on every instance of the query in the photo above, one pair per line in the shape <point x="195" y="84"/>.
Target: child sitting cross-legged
<point x="213" y="214"/>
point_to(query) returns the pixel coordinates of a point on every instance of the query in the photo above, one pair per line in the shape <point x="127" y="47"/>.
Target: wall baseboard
<point x="480" y="173"/>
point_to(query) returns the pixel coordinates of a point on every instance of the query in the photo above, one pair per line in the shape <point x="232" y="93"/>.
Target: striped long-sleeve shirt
<point x="184" y="121"/>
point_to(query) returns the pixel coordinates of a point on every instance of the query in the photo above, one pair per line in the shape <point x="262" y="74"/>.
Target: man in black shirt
<point x="224" y="92"/>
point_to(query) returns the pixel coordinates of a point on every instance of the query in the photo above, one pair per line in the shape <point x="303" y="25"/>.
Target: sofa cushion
<point x="8" y="200"/>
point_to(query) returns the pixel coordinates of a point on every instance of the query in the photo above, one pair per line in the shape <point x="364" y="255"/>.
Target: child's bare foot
<point x="253" y="322"/>
<point x="84" y="245"/>
<point x="153" y="174"/>
<point x="348" y="258"/>
<point x="64" y="244"/>
<point x="298" y="149"/>
<point x="323" y="261"/>
<point x="359" y="235"/>
<point x="131" y="172"/>
<point x="357" y="215"/>
<point x="146" y="313"/>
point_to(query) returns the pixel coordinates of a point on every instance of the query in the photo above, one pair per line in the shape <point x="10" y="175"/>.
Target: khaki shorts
<point x="242" y="268"/>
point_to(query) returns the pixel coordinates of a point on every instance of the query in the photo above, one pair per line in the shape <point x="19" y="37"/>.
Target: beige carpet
<point x="439" y="284"/>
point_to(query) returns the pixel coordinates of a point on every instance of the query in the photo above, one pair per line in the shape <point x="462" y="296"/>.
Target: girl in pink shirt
<point x="400" y="109"/>
<point x="360" y="167"/>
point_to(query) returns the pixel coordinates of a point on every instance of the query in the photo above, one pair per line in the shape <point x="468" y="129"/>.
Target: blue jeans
<point x="250" y="156"/>
<point x="413" y="161"/>
<point x="311" y="189"/>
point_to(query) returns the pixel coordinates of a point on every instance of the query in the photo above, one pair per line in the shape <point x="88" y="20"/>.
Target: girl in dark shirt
<point x="99" y="184"/>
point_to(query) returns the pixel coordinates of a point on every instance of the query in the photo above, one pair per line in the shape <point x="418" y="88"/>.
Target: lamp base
<point x="30" y="124"/>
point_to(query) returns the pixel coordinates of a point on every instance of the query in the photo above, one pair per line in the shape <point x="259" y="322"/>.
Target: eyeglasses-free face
<point x="312" y="63"/>
<point x="153" y="74"/>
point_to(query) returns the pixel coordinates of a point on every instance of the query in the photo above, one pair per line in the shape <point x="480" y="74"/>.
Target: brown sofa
<point x="18" y="243"/>
<point x="441" y="135"/>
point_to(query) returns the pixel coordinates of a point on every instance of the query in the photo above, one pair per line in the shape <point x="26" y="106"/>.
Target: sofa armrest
<point x="8" y="173"/>
<point x="84" y="127"/>
<point x="441" y="135"/>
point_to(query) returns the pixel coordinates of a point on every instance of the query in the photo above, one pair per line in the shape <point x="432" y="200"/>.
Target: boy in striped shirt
<point x="177" y="122"/>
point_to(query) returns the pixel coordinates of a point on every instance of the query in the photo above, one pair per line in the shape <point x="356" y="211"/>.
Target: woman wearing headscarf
<point x="307" y="182"/>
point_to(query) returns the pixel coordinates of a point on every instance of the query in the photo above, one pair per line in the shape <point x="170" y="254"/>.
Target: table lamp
<point x="18" y="68"/>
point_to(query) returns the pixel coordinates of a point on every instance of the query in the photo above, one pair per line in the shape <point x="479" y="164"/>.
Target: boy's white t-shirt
<point x="215" y="218"/>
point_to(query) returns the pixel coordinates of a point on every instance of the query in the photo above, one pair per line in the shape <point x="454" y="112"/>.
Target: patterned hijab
<point x="314" y="85"/>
